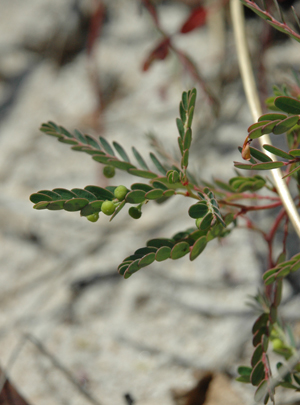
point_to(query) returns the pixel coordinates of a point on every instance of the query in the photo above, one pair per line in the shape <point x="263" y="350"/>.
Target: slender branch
<point x="254" y="104"/>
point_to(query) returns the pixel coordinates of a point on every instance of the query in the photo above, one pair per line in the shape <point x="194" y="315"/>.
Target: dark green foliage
<point x="208" y="199"/>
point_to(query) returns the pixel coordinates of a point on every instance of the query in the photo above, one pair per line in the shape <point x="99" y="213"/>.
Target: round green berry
<point x="109" y="171"/>
<point x="198" y="222"/>
<point x="108" y="207"/>
<point x="277" y="344"/>
<point x="135" y="213"/>
<point x="93" y="217"/>
<point x="120" y="192"/>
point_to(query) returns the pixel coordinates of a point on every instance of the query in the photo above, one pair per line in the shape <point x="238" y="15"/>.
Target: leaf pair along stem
<point x="254" y="104"/>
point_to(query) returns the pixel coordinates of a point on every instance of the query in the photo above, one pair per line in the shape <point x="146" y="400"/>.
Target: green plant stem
<point x="254" y="104"/>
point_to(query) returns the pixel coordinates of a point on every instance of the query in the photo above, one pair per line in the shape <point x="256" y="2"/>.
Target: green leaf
<point x="268" y="128"/>
<point x="255" y="133"/>
<point x="277" y="152"/>
<point x="187" y="140"/>
<point x="258" y="374"/>
<point x="270" y="279"/>
<point x="283" y="272"/>
<point x="182" y="113"/>
<point x="243" y="379"/>
<point x="56" y="205"/>
<point x="135" y="197"/>
<point x="198" y="247"/>
<point x="132" y="268"/>
<point x="66" y="133"/>
<point x="185" y="100"/>
<point x="261" y="391"/>
<point x="180" y="127"/>
<point x="192" y="98"/>
<point x="37" y="197"/>
<point x="76" y="204"/>
<point x="41" y="205"/>
<point x="143" y="173"/>
<point x="92" y="208"/>
<point x="257" y="125"/>
<point x="78" y="135"/>
<point x="190" y="117"/>
<point x="146" y="260"/>
<point x="257" y="355"/>
<point x="243" y="166"/>
<point x="106" y="146"/>
<point x="163" y="253"/>
<point x="206" y="221"/>
<point x="100" y="193"/>
<point x="272" y="117"/>
<point x="101" y="159"/>
<point x="267" y="166"/>
<point x="117" y="210"/>
<point x="261" y="321"/>
<point x="180" y="145"/>
<point x="286" y="125"/>
<point x="185" y="159"/>
<point x="288" y="104"/>
<point x="244" y="370"/>
<point x="140" y="159"/>
<point x="295" y="266"/>
<point x="179" y="250"/>
<point x="168" y="193"/>
<point x="145" y="250"/>
<point x="84" y="194"/>
<point x="67" y="141"/>
<point x="141" y="186"/>
<point x="120" y="165"/>
<point x="64" y="194"/>
<point x="294" y="152"/>
<point x="160" y="184"/>
<point x="92" y="142"/>
<point x="257" y="154"/>
<point x="198" y="210"/>
<point x="158" y="165"/>
<point x="122" y="268"/>
<point x="54" y="196"/>
<point x="159" y="242"/>
<point x="121" y="152"/>
<point x="154" y="194"/>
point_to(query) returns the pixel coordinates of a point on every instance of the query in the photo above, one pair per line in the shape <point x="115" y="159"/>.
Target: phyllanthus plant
<point x="215" y="207"/>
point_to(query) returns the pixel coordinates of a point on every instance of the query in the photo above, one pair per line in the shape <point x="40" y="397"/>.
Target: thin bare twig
<point x="56" y="363"/>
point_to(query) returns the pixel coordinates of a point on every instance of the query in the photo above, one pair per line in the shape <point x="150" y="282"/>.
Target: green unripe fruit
<point x="109" y="171"/>
<point x="93" y="217"/>
<point x="120" y="192"/>
<point x="198" y="222"/>
<point x="134" y="213"/>
<point x="277" y="344"/>
<point x="108" y="207"/>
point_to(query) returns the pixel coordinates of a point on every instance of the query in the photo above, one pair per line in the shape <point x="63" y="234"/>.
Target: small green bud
<point x="135" y="213"/>
<point x="108" y="207"/>
<point x="173" y="176"/>
<point x="93" y="217"/>
<point x="120" y="192"/>
<point x="109" y="171"/>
